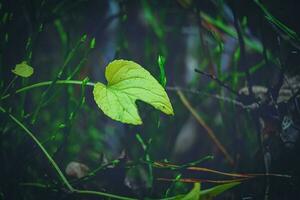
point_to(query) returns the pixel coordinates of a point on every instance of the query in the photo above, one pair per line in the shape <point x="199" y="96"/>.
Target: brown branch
<point x="205" y="126"/>
<point x="193" y="180"/>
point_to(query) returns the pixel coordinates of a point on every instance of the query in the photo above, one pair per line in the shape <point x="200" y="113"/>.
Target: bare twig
<point x="249" y="107"/>
<point x="209" y="131"/>
<point x="221" y="83"/>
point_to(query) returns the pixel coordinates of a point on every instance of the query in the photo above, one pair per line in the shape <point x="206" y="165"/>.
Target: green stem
<point x="95" y="171"/>
<point x="55" y="166"/>
<point x="45" y="83"/>
<point x="91" y="192"/>
<point x="58" y="77"/>
<point x="9" y="85"/>
<point x="82" y="192"/>
<point x="147" y="157"/>
<point x="52" y="162"/>
<point x="38" y="185"/>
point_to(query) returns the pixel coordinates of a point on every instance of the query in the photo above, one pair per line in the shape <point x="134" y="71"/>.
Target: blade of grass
<point x="59" y="75"/>
<point x="273" y="20"/>
<point x="251" y="43"/>
<point x="147" y="157"/>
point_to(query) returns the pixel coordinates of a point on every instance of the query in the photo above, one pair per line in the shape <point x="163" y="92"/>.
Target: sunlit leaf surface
<point x="23" y="70"/>
<point x="128" y="82"/>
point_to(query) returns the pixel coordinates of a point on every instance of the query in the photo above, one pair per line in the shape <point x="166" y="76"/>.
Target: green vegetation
<point x="161" y="100"/>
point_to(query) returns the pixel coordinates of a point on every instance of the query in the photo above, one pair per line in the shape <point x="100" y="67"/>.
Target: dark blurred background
<point x="251" y="47"/>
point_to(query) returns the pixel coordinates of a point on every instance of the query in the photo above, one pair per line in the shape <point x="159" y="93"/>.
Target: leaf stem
<point x="45" y="83"/>
<point x="209" y="131"/>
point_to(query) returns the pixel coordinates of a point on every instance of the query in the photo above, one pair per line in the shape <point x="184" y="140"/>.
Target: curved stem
<point x="41" y="84"/>
<point x="209" y="131"/>
<point x="51" y="160"/>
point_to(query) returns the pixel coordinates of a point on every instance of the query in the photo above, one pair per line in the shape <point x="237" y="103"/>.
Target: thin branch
<point x="221" y="83"/>
<point x="192" y="180"/>
<point x="209" y="131"/>
<point x="70" y="55"/>
<point x="249" y="107"/>
<point x="93" y="173"/>
<point x="202" y="169"/>
<point x="145" y="148"/>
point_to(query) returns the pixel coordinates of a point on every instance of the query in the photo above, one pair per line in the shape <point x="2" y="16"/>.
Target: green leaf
<point x="197" y="194"/>
<point x="215" y="191"/>
<point x="23" y="70"/>
<point x="61" y="31"/>
<point x="152" y="20"/>
<point x="128" y="82"/>
<point x="161" y="63"/>
<point x="194" y="194"/>
<point x="83" y="38"/>
<point x="93" y="43"/>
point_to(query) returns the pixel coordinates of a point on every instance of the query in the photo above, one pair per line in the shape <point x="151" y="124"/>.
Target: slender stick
<point x="221" y="83"/>
<point x="209" y="131"/>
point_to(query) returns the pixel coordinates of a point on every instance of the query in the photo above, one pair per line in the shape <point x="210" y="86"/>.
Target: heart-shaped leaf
<point x="23" y="70"/>
<point x="128" y="82"/>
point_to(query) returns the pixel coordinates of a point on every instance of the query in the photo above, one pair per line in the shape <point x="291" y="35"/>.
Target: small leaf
<point x="93" y="43"/>
<point x="128" y="82"/>
<point x="23" y="70"/>
<point x="83" y="38"/>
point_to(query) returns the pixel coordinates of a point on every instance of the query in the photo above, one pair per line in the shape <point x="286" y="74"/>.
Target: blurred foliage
<point x="246" y="56"/>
